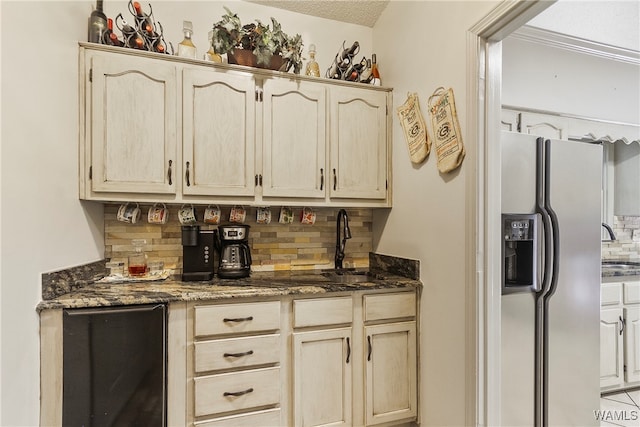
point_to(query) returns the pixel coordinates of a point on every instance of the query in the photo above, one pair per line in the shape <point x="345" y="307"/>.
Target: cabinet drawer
<point x="260" y="387"/>
<point x="632" y="292"/>
<point x="268" y="418"/>
<point x="236" y="352"/>
<point x="389" y="306"/>
<point x="610" y="293"/>
<point x="322" y="311"/>
<point x="237" y="318"/>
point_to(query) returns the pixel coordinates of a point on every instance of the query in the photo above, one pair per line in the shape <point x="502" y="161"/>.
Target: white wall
<point x="44" y="225"/>
<point x="610" y="22"/>
<point x="420" y="46"/>
<point x="549" y="78"/>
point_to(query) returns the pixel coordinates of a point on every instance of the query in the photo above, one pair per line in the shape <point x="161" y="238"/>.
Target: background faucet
<point x="342" y="234"/>
<point x="611" y="235"/>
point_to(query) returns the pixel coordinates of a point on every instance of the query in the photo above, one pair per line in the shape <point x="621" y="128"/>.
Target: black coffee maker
<point x="197" y="253"/>
<point x="234" y="255"/>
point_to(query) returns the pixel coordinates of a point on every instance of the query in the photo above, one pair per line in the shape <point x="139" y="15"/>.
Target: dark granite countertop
<point x="77" y="287"/>
<point x="262" y="284"/>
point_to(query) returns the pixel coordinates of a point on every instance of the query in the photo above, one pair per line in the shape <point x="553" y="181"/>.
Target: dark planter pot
<point x="249" y="59"/>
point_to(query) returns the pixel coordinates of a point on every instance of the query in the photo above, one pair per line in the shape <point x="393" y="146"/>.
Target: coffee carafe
<point x="234" y="253"/>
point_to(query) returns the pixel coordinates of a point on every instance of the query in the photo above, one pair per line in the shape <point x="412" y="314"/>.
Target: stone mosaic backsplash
<point x="627" y="243"/>
<point x="274" y="246"/>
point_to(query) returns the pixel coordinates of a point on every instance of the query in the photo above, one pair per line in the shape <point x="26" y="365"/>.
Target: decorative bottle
<point x="186" y="48"/>
<point x="374" y="72"/>
<point x="97" y="24"/>
<point x="313" y="69"/>
<point x="211" y="54"/>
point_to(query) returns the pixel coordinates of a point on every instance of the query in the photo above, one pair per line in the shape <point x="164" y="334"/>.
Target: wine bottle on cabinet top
<point x="97" y="24"/>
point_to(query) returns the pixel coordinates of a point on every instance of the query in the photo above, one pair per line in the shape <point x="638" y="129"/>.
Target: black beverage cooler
<point x="114" y="366"/>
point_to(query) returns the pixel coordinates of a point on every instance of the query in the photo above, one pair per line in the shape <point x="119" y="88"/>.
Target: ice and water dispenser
<point x="519" y="253"/>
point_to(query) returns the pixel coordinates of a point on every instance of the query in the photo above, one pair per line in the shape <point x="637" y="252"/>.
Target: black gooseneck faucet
<point x="341" y="236"/>
<point x="610" y="231"/>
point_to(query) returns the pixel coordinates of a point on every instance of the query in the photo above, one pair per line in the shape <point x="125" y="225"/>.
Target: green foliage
<point x="264" y="42"/>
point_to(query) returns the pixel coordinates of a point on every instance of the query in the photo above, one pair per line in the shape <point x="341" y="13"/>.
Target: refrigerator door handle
<point x="555" y="228"/>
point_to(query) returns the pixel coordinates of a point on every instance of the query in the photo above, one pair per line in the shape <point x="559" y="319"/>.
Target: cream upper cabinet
<point x="358" y="143"/>
<point x="218" y="133"/>
<point x="130" y="116"/>
<point x="293" y="139"/>
<point x="161" y="128"/>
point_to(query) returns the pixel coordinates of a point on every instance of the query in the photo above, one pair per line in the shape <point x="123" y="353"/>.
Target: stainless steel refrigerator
<point x="550" y="304"/>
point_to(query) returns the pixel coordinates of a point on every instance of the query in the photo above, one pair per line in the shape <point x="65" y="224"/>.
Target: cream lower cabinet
<point x="323" y="362"/>
<point x="234" y="365"/>
<point x="620" y="335"/>
<point x="391" y="377"/>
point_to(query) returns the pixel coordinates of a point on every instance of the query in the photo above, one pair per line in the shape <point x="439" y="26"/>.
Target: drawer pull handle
<point x="370" y="348"/>
<point x="246" y="353"/>
<point x="623" y="323"/>
<point x="237" y="319"/>
<point x="348" y="349"/>
<point x="237" y="393"/>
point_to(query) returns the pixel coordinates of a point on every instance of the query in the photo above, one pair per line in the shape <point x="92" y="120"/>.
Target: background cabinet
<point x="131" y="123"/>
<point x="611" y="349"/>
<point x="620" y="335"/>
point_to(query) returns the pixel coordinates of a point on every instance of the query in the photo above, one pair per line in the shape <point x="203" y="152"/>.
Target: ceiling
<point x="361" y="12"/>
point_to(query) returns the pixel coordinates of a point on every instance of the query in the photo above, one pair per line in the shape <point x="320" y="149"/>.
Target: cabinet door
<point x="391" y="372"/>
<point x="632" y="343"/>
<point x="611" y="350"/>
<point x="322" y="377"/>
<point x="545" y="125"/>
<point x="358" y="144"/>
<point x="132" y="116"/>
<point x="294" y="139"/>
<point x="218" y="137"/>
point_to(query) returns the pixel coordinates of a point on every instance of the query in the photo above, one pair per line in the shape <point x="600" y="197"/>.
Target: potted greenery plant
<point x="256" y="44"/>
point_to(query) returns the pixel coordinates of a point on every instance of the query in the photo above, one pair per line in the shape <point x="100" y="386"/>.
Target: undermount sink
<point x="350" y="276"/>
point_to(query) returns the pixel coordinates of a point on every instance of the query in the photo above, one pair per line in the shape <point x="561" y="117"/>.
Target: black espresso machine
<point x="197" y="253"/>
<point x="234" y="255"/>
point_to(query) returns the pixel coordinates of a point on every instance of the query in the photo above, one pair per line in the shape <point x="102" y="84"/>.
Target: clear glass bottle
<point x="138" y="260"/>
<point x="313" y="69"/>
<point x="211" y="54"/>
<point x="186" y="48"/>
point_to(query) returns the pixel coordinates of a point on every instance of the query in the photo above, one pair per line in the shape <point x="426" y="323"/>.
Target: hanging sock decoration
<point x="446" y="130"/>
<point x="415" y="129"/>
